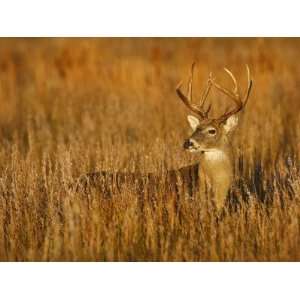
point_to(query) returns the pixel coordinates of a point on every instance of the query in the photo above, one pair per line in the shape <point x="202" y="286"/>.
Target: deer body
<point x="214" y="168"/>
<point x="107" y="181"/>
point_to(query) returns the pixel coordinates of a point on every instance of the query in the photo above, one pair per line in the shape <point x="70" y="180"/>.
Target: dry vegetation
<point x="71" y="106"/>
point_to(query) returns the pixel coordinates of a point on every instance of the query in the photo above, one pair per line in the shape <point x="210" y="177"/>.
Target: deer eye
<point x="212" y="131"/>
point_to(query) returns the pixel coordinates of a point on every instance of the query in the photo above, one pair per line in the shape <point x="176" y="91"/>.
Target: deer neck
<point x="216" y="161"/>
<point x="217" y="164"/>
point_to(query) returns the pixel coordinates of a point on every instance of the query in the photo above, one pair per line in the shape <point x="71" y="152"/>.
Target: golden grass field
<point x="72" y="106"/>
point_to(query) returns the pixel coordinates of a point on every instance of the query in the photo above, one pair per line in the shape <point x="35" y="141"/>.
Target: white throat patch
<point x="214" y="155"/>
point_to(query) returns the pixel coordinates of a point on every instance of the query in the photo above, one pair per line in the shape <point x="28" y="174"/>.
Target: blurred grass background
<point x="72" y="106"/>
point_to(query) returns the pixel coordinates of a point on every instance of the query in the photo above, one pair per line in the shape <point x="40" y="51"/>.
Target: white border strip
<point x="149" y="281"/>
<point x="149" y="18"/>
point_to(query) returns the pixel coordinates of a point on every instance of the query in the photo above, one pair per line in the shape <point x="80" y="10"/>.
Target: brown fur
<point x="183" y="180"/>
<point x="216" y="154"/>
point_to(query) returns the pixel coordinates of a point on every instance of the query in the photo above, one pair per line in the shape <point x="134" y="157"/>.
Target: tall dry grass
<point x="71" y="106"/>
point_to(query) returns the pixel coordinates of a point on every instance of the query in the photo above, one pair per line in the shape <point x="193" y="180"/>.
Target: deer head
<point x="210" y="134"/>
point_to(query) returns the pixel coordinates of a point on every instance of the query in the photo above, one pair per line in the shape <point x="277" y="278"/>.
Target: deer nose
<point x="187" y="144"/>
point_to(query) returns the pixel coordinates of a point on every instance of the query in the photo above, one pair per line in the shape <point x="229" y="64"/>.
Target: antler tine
<point x="190" y="85"/>
<point x="227" y="92"/>
<point x="233" y="79"/>
<point x="249" y="87"/>
<point x="187" y="100"/>
<point x="205" y="94"/>
<point x="208" y="110"/>
<point x="240" y="104"/>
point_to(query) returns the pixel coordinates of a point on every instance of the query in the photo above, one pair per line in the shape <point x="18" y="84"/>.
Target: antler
<point x="234" y="95"/>
<point x="187" y="100"/>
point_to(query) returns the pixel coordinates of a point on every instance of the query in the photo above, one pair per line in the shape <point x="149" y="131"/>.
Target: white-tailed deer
<point x="211" y="137"/>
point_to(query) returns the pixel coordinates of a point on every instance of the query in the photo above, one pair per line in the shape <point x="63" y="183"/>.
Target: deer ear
<point x="231" y="123"/>
<point x="193" y="121"/>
